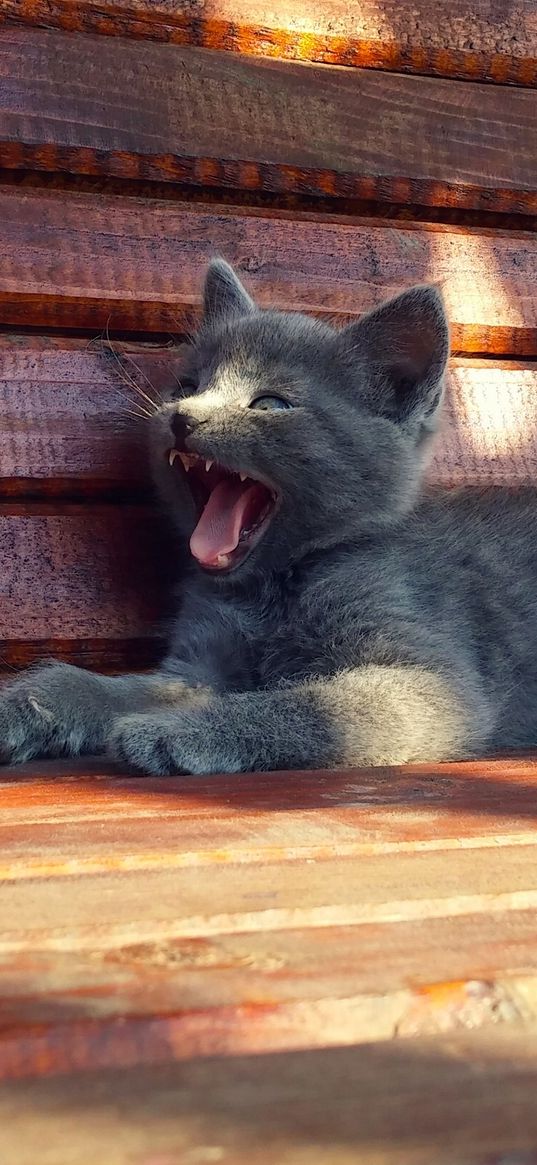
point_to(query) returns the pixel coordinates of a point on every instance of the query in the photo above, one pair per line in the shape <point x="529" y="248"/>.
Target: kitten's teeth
<point x="172" y="455"/>
<point x="186" y="460"/>
<point x="223" y="559"/>
<point x="208" y="465"/>
<point x="243" y="476"/>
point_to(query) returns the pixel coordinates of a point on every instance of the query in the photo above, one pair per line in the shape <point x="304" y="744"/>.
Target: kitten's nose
<point x="182" y="426"/>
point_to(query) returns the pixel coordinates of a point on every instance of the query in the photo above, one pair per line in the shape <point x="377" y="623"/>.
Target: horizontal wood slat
<point x="68" y="423"/>
<point x="261" y="993"/>
<point x="461" y="799"/>
<point x="88" y="260"/>
<point x="66" y="429"/>
<point x="209" y="119"/>
<point x="150" y="920"/>
<point x="464" y="1097"/>
<point x="472" y="41"/>
<point x="104" y="655"/>
<point x="85" y="583"/>
<point x="78" y="572"/>
<point x="169" y="928"/>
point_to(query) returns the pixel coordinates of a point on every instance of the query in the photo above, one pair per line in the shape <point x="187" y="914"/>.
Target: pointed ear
<point x="224" y="296"/>
<point x="402" y="348"/>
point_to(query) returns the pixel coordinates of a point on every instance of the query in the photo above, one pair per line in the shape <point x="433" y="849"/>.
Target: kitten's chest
<point x="282" y="643"/>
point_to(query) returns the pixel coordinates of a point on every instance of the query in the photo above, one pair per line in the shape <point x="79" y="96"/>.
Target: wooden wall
<point x="131" y="151"/>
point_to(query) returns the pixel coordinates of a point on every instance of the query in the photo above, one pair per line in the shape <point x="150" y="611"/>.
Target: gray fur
<point x="376" y="622"/>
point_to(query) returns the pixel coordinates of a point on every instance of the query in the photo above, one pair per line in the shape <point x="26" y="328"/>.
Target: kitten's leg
<point x="370" y="716"/>
<point x="60" y="710"/>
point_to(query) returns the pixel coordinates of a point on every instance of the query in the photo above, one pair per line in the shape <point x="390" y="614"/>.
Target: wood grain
<point x="467" y="1097"/>
<point x="77" y="581"/>
<point x="78" y="572"/>
<point x="65" y="432"/>
<point x="472" y="42"/>
<point x="92" y="260"/>
<point x="191" y="999"/>
<point x="99" y="654"/>
<point x="472" y="799"/>
<point x="221" y="120"/>
<point x="68" y="424"/>
<point x="144" y="921"/>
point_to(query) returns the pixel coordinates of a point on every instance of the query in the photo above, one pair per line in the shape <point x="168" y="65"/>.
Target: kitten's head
<point x="291" y="436"/>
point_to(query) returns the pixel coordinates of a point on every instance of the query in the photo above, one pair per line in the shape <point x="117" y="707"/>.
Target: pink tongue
<point x="219" y="528"/>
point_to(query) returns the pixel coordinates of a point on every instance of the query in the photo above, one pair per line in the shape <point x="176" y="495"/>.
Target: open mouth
<point x="234" y="511"/>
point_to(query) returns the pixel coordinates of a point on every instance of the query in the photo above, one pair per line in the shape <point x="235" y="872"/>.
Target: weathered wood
<point x="87" y="260"/>
<point x="104" y="655"/>
<point x="235" y="996"/>
<point x="129" y="824"/>
<point x="66" y="428"/>
<point x="68" y="409"/>
<point x="99" y="1035"/>
<point x="149" y="920"/>
<point x="78" y="572"/>
<point x="472" y="42"/>
<point x="489" y="431"/>
<point x="229" y="121"/>
<point x="467" y="1097"/>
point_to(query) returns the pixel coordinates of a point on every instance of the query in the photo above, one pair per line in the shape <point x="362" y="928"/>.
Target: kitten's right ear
<point x="224" y="296"/>
<point x="404" y="344"/>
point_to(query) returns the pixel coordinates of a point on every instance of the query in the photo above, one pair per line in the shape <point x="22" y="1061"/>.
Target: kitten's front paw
<point x="47" y="712"/>
<point x="27" y="724"/>
<point x="166" y="744"/>
<point x="144" y="742"/>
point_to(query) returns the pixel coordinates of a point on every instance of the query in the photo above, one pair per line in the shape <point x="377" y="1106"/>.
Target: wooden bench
<point x="372" y="933"/>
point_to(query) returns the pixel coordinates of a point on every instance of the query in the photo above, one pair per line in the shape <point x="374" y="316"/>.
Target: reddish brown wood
<point x="105" y="655"/>
<point x="229" y="121"/>
<point x="489" y="429"/>
<point x="66" y="429"/>
<point x="464" y="1097"/>
<point x="312" y="985"/>
<point x="68" y="424"/>
<point x="93" y="260"/>
<point x="144" y="921"/>
<point x="472" y="42"/>
<point x="243" y="819"/>
<point x="77" y="572"/>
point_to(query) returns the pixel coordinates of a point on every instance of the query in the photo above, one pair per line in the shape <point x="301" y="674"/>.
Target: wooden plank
<point x="278" y="992"/>
<point x="77" y="572"/>
<point x="68" y="424"/>
<point x="427" y="924"/>
<point x="489" y="428"/>
<point x="474" y="799"/>
<point x="87" y="260"/>
<point x="99" y="654"/>
<point x="228" y="121"/>
<point x="421" y="971"/>
<point x="404" y="35"/>
<point x="463" y="1099"/>
<point x="113" y="908"/>
<point x="133" y="825"/>
<point x="66" y="429"/>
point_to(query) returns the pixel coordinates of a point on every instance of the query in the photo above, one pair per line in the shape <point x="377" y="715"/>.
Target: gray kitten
<point x="335" y="612"/>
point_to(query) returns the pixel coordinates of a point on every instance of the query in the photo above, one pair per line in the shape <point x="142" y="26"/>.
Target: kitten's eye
<point x="270" y="402"/>
<point x="186" y="386"/>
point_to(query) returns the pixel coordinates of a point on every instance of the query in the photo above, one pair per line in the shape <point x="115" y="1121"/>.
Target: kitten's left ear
<point x="403" y="347"/>
<point x="224" y="296"/>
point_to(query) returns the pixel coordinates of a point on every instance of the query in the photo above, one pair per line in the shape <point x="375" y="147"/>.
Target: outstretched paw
<point x="26" y="727"/>
<point x="167" y="744"/>
<point x="146" y="742"/>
